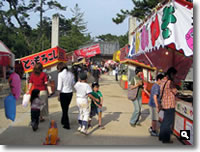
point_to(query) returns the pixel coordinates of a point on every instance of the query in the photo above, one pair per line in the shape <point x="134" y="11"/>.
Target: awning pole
<point x="148" y="58"/>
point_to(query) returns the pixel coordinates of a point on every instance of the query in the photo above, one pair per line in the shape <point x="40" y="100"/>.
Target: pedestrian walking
<point x="36" y="105"/>
<point x="96" y="107"/>
<point x="96" y="74"/>
<point x="168" y="105"/>
<point x="116" y="72"/>
<point x="14" y="82"/>
<point x="137" y="82"/>
<point x="155" y="105"/>
<point x="39" y="80"/>
<point x="83" y="91"/>
<point x="65" y="91"/>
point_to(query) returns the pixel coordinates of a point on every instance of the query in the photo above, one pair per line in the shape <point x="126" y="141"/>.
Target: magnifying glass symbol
<point x="184" y="134"/>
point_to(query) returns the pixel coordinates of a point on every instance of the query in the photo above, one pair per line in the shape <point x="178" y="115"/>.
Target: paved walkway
<point x="117" y="111"/>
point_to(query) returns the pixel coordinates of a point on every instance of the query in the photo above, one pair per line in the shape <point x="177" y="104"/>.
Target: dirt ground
<point x="117" y="110"/>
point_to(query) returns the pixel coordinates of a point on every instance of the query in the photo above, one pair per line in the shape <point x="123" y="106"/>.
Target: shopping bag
<point x="26" y="99"/>
<point x="132" y="93"/>
<point x="10" y="107"/>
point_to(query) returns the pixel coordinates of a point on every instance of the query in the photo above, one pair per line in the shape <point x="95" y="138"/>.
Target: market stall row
<point x="163" y="40"/>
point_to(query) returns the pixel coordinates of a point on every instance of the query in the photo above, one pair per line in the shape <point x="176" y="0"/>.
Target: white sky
<point x="97" y="13"/>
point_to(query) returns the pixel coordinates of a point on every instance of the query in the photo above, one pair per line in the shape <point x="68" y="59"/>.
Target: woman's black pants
<point x="65" y="100"/>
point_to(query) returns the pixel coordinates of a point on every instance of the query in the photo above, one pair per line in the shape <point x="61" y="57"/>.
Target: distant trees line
<point x="23" y="40"/>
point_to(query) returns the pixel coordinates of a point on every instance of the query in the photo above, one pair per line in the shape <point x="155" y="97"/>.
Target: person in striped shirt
<point x="168" y="92"/>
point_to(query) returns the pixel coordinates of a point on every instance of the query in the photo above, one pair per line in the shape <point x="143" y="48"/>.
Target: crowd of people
<point x="38" y="88"/>
<point x="161" y="96"/>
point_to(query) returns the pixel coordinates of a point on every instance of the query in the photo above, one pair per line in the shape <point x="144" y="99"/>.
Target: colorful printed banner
<point x="116" y="56"/>
<point x="88" y="52"/>
<point x="47" y="58"/>
<point x="172" y="24"/>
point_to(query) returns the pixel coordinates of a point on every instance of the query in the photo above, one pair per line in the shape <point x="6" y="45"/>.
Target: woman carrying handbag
<point x="137" y="82"/>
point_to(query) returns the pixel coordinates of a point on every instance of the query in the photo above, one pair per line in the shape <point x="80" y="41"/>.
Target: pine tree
<point x="141" y="9"/>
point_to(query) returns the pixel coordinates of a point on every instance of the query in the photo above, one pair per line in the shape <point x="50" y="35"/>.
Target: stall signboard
<point x="47" y="58"/>
<point x="179" y="123"/>
<point x="182" y="123"/>
<point x="88" y="52"/>
<point x="185" y="109"/>
<point x="171" y="25"/>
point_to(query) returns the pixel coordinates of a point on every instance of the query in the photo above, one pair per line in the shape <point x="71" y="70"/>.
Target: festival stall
<point x="163" y="40"/>
<point x="49" y="59"/>
<point x="6" y="58"/>
<point x="131" y="65"/>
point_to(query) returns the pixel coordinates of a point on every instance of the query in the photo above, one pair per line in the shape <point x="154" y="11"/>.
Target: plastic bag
<point x="26" y="99"/>
<point x="10" y="107"/>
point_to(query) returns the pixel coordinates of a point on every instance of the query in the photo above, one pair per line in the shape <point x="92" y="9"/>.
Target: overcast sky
<point x="97" y="13"/>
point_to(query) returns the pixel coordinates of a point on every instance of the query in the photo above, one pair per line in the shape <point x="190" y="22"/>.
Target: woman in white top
<point x="65" y="89"/>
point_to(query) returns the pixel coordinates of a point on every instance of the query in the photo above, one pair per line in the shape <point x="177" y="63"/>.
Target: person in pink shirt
<point x="14" y="82"/>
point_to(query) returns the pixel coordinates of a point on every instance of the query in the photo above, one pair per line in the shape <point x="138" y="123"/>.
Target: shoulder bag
<point x="132" y="93"/>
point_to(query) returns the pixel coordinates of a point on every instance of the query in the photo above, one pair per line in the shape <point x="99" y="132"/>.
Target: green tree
<point x="23" y="40"/>
<point x="42" y="6"/>
<point x="16" y="12"/>
<point x="75" y="28"/>
<point x="141" y="9"/>
<point x="77" y="19"/>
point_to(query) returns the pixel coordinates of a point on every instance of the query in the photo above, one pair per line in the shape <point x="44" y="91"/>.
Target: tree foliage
<point x="141" y="9"/>
<point x="76" y="33"/>
<point x="23" y="40"/>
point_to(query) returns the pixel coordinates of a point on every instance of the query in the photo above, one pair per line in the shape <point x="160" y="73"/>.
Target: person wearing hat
<point x="83" y="91"/>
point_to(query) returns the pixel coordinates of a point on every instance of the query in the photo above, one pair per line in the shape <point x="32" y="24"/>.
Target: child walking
<point x="83" y="91"/>
<point x="96" y="107"/>
<point x="36" y="106"/>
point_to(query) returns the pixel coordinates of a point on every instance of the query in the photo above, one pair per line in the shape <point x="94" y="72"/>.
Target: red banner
<point x="47" y="58"/>
<point x="88" y="52"/>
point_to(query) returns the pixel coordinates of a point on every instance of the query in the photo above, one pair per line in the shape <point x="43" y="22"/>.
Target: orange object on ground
<point x="52" y="135"/>
<point x="124" y="84"/>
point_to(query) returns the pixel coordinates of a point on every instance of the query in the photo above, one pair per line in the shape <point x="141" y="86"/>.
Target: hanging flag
<point x="172" y="25"/>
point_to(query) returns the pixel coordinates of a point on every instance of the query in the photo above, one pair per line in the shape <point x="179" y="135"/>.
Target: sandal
<point x="101" y="127"/>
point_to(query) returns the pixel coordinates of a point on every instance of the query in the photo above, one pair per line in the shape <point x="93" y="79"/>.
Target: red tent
<point x="6" y="56"/>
